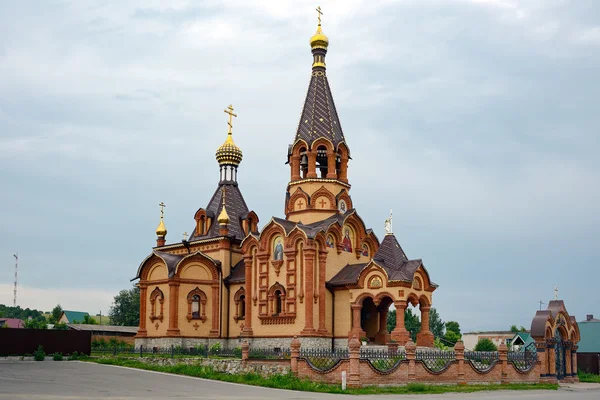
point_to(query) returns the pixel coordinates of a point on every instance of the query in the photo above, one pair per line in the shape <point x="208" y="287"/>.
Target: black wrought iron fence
<point x="323" y="359"/>
<point x="276" y="353"/>
<point x="482" y="360"/>
<point x="435" y="360"/>
<point x="524" y="360"/>
<point x="383" y="360"/>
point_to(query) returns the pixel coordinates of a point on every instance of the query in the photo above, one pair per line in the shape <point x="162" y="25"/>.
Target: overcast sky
<point x="476" y="121"/>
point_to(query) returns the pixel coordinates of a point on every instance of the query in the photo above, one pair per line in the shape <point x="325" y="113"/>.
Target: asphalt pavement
<point x="73" y="380"/>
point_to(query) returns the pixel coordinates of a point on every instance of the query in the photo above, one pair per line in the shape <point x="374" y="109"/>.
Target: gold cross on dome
<point x="320" y="13"/>
<point x="162" y="209"/>
<point x="229" y="110"/>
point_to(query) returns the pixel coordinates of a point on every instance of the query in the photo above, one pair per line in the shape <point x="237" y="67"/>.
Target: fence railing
<point x="435" y="360"/>
<point x="383" y="360"/>
<point x="276" y="353"/>
<point x="482" y="360"/>
<point x="173" y="351"/>
<point x="523" y="360"/>
<point x="323" y="360"/>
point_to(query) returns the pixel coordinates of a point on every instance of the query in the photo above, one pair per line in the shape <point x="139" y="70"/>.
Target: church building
<point x="316" y="272"/>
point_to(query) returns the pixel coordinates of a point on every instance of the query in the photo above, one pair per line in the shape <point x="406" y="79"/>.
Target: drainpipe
<point x="328" y="286"/>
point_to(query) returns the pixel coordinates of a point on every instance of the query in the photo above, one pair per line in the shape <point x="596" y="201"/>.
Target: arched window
<point x="196" y="305"/>
<point x="303" y="162"/>
<point x="242" y="311"/>
<point x="277" y="302"/>
<point x="322" y="160"/>
<point x="157" y="300"/>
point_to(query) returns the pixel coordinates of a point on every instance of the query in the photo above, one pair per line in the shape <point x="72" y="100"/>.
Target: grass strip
<point x="588" y="378"/>
<point x="291" y="382"/>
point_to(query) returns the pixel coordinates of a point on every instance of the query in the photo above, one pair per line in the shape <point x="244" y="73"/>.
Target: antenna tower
<point x="16" y="255"/>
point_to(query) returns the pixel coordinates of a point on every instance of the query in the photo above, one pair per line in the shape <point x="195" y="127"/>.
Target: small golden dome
<point x="319" y="40"/>
<point x="223" y="217"/>
<point x="229" y="153"/>
<point x="161" y="230"/>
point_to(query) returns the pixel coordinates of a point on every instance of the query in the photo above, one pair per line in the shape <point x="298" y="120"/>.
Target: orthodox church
<point x="317" y="273"/>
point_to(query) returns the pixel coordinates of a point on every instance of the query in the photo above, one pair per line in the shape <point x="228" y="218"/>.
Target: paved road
<point x="72" y="380"/>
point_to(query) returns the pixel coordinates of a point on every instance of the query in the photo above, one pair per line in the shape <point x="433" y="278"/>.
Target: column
<point x="295" y="353"/>
<point x="312" y="164"/>
<point x="295" y="166"/>
<point x="411" y="355"/>
<point x="459" y="353"/>
<point x="173" y="308"/>
<point x="344" y="169"/>
<point x="143" y="305"/>
<point x="551" y="359"/>
<point x="331" y="174"/>
<point x="382" y="336"/>
<point x="574" y="362"/>
<point x="503" y="358"/>
<point x="356" y="329"/>
<point x="215" y="310"/>
<point x="247" y="331"/>
<point x="309" y="281"/>
<point x="425" y="337"/>
<point x="354" y="367"/>
<point x="322" y="291"/>
<point x="400" y="334"/>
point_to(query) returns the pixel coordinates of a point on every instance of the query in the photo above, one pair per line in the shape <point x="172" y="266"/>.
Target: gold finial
<point x="223" y="216"/>
<point x="319" y="14"/>
<point x="161" y="230"/>
<point x="319" y="40"/>
<point x="229" y="110"/>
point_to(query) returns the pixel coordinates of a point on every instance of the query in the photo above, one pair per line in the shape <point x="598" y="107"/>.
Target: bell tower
<point x="319" y="155"/>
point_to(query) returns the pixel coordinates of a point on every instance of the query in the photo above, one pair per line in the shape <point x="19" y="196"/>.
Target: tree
<point x="452" y="333"/>
<point x="454" y="327"/>
<point x="411" y="322"/>
<point x="514" y="329"/>
<point x="89" y="320"/>
<point x="485" y="344"/>
<point x="56" y="313"/>
<point x="61" y="326"/>
<point x="35" y="324"/>
<point x="125" y="309"/>
<point x="436" y="325"/>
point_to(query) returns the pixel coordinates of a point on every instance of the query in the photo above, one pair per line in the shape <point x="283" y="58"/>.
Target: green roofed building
<point x="588" y="353"/>
<point x="70" y="317"/>
<point x="521" y="341"/>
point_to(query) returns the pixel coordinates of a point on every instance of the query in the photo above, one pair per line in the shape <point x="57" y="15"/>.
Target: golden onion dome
<point x="161" y="230"/>
<point x="319" y="40"/>
<point x="223" y="217"/>
<point x="229" y="153"/>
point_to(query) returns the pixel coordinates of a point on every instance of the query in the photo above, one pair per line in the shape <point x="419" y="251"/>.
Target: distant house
<point x="520" y="341"/>
<point x="122" y="333"/>
<point x="470" y="339"/>
<point x="12" y="323"/>
<point x="69" y="317"/>
<point x="588" y="353"/>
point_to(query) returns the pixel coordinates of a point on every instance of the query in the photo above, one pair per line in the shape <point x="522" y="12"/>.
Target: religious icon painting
<point x="365" y="250"/>
<point x="330" y="242"/>
<point x="278" y="249"/>
<point x="347" y="241"/>
<point x="342" y="208"/>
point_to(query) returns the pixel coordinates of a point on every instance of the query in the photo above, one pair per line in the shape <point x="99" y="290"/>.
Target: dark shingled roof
<point x="390" y="257"/>
<point x="390" y="254"/>
<point x="236" y="209"/>
<point x="171" y="260"/>
<point x="238" y="273"/>
<point x="319" y="117"/>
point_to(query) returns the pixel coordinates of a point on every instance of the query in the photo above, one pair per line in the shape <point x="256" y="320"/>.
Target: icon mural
<point x="329" y="242"/>
<point x="342" y="207"/>
<point x="365" y="250"/>
<point x="347" y="242"/>
<point x="278" y="250"/>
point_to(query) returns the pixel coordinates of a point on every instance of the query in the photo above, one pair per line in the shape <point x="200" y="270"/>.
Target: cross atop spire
<point x="319" y="14"/>
<point x="229" y="110"/>
<point x="162" y="209"/>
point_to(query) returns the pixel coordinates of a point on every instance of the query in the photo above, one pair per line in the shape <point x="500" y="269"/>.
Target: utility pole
<point x="16" y="255"/>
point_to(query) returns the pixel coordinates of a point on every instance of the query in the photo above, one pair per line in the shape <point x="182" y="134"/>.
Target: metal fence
<point x="173" y="351"/>
<point x="524" y="360"/>
<point x="435" y="360"/>
<point x="383" y="360"/>
<point x="482" y="360"/>
<point x="323" y="360"/>
<point x="275" y="353"/>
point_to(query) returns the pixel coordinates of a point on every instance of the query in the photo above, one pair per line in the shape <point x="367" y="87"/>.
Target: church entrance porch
<point x="370" y="319"/>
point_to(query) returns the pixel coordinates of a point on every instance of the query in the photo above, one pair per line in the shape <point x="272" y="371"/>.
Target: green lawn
<point x="590" y="378"/>
<point x="292" y="383"/>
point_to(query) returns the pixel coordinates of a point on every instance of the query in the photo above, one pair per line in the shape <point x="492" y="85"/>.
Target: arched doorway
<point x="559" y="351"/>
<point x="369" y="318"/>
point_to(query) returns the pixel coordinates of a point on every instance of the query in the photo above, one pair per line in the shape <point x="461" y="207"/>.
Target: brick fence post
<point x="354" y="367"/>
<point x="503" y="356"/>
<point x="411" y="355"/>
<point x="459" y="352"/>
<point x="245" y="351"/>
<point x="294" y="354"/>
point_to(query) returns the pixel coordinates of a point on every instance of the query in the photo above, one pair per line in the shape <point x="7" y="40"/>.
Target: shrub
<point x="57" y="356"/>
<point x="485" y="344"/>
<point x="39" y="354"/>
<point x="77" y="356"/>
<point x="215" y="348"/>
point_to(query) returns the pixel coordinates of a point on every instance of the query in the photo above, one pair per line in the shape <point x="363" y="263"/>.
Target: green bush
<point x="57" y="356"/>
<point x="39" y="354"/>
<point x="215" y="348"/>
<point x="485" y="344"/>
<point x="77" y="356"/>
